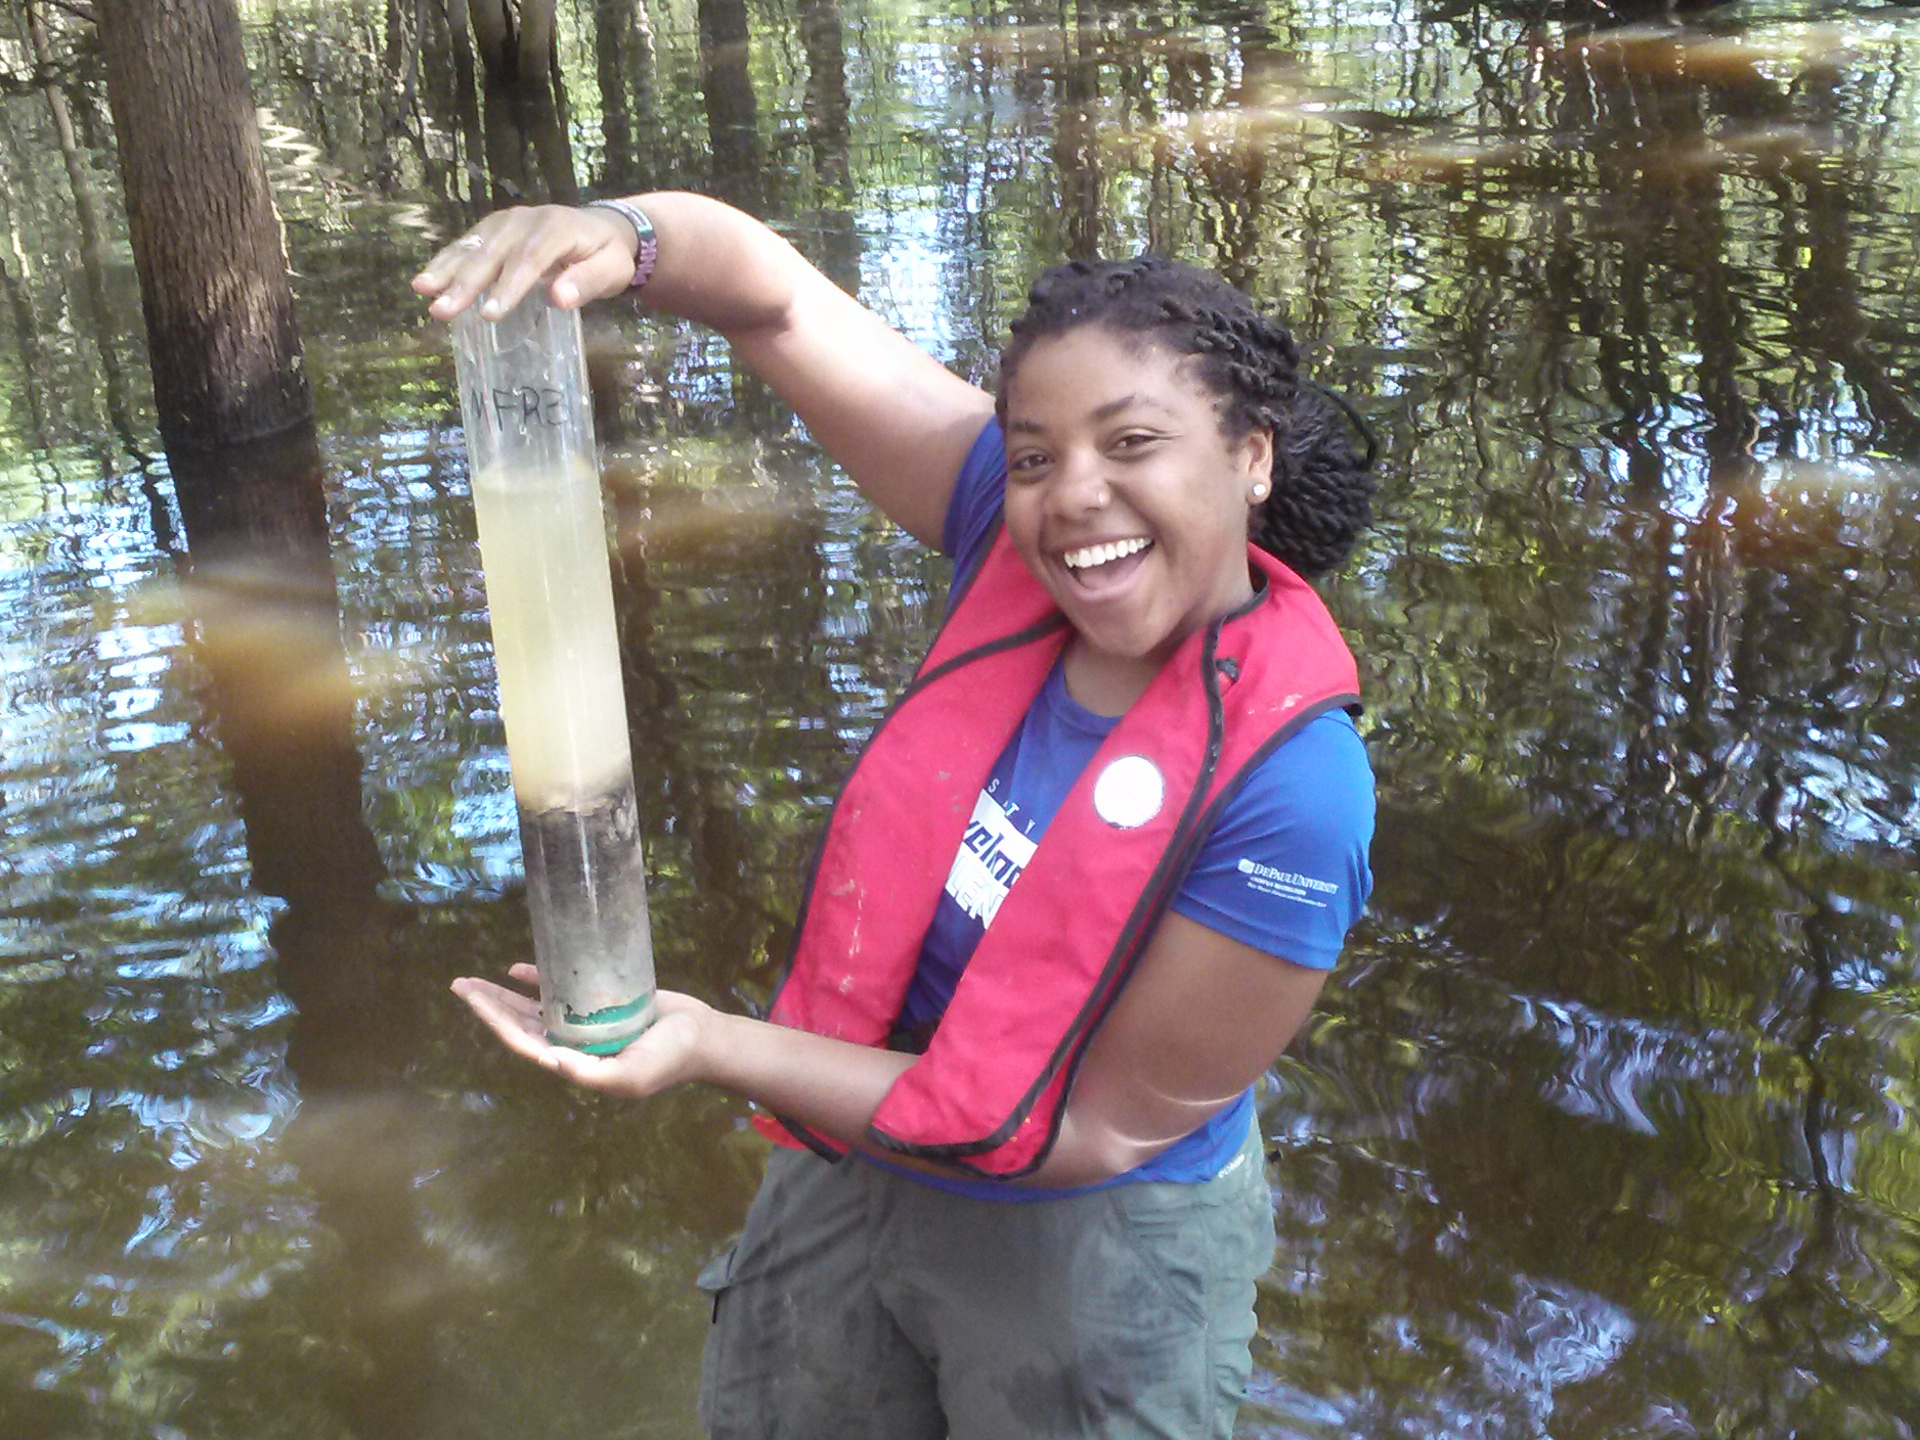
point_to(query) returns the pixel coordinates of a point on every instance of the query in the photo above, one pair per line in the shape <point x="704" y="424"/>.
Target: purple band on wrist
<point x="647" y="249"/>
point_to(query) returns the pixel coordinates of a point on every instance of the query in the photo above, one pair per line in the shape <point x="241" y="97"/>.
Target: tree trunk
<point x="733" y="118"/>
<point x="206" y="238"/>
<point x="830" y="133"/>
<point x="467" y="92"/>
<point x="528" y="153"/>
<point x="613" y="27"/>
<point x="539" y="40"/>
<point x="1076" y="144"/>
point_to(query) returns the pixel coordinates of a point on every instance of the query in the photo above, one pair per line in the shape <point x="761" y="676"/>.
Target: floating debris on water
<point x="1719" y="59"/>
<point x="1837" y="478"/>
<point x="1236" y="123"/>
<point x="1749" y="148"/>
<point x="1444" y="159"/>
<point x="1286" y="111"/>
<point x="279" y="634"/>
<point x="663" y="510"/>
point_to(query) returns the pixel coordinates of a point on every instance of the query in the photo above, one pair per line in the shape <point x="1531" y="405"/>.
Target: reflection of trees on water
<point x="1829" y="319"/>
<point x="1076" y="158"/>
<point x="92" y="252"/>
<point x="1732" y="605"/>
<point x="830" y="139"/>
<point x="260" y="585"/>
<point x="741" y="930"/>
<point x="68" y="400"/>
<point x="398" y="1188"/>
<point x="1605" y="1095"/>
<point x="1651" y="602"/>
<point x="26" y="323"/>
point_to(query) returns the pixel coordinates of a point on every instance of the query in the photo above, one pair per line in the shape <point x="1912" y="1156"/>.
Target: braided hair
<point x="1322" y="487"/>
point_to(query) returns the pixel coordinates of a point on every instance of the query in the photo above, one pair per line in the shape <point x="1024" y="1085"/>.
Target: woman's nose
<point x="1079" y="484"/>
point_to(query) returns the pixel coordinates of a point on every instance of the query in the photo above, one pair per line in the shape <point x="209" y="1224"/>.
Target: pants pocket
<point x="714" y="1281"/>
<point x="716" y="1277"/>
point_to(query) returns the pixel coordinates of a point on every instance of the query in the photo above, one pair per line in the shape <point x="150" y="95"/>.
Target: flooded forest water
<point x="1607" y="1125"/>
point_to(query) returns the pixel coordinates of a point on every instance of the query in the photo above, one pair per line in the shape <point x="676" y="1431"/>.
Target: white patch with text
<point x="993" y="852"/>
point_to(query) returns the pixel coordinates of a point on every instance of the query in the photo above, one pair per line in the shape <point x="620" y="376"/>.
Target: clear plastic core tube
<point x="543" y="546"/>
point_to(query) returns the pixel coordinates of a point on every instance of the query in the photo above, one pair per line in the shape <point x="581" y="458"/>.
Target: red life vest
<point x="987" y="1095"/>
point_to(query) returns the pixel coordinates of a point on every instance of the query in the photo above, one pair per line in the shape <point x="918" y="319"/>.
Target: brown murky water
<point x="1607" y="1127"/>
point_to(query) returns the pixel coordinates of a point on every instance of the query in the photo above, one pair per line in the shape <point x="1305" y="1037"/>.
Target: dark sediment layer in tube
<point x="587" y="890"/>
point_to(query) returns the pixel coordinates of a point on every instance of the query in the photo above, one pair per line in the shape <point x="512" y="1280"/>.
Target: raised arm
<point x="892" y="416"/>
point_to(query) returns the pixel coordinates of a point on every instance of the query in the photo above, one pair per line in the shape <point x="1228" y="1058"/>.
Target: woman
<point x="1055" y="1210"/>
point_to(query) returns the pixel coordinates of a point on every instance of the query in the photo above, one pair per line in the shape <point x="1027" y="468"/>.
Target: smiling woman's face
<point x="1125" y="498"/>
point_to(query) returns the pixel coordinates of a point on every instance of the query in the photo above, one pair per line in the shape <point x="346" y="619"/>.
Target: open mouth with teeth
<point x="1096" y="566"/>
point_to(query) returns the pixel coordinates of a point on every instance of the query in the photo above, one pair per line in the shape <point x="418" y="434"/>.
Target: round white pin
<point x="1129" y="792"/>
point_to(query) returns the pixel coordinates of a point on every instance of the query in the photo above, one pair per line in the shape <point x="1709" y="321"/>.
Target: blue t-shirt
<point x="1284" y="871"/>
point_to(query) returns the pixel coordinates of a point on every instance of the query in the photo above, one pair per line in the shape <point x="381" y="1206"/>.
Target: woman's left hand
<point x="667" y="1054"/>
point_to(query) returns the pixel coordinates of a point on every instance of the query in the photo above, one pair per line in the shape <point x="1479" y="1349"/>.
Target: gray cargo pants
<point x="860" y="1305"/>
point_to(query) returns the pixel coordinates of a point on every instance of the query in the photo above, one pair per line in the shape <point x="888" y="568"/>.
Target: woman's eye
<point x="1133" y="442"/>
<point x="1026" y="463"/>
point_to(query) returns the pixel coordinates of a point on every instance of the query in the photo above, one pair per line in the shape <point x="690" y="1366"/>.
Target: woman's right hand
<point x="584" y="254"/>
<point x="666" y="1054"/>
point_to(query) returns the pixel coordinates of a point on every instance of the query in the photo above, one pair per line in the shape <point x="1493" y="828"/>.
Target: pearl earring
<point x="1259" y="491"/>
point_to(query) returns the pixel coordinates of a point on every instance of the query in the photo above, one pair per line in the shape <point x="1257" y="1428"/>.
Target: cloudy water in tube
<point x="543" y="547"/>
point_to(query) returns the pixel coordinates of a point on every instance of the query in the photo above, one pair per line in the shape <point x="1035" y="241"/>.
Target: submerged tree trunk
<point x="259" y="581"/>
<point x="526" y="103"/>
<point x="206" y="238"/>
